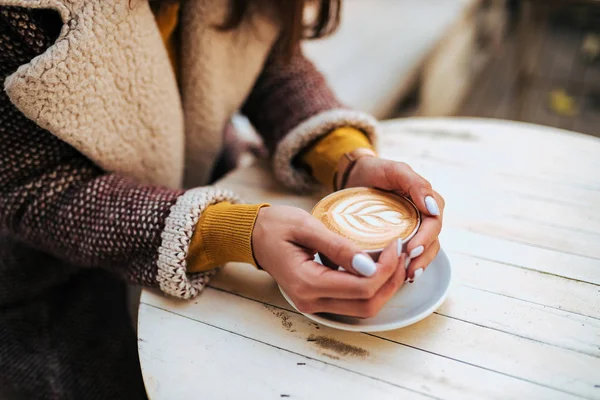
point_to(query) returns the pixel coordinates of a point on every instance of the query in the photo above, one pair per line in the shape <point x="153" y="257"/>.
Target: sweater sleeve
<point x="292" y="107"/>
<point x="322" y="158"/>
<point x="57" y="201"/>
<point x="223" y="234"/>
<point x="54" y="199"/>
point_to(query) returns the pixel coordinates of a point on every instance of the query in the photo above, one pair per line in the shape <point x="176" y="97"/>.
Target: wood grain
<point x="522" y="230"/>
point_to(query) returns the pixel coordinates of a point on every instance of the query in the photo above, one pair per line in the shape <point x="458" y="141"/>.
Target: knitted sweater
<point x="85" y="196"/>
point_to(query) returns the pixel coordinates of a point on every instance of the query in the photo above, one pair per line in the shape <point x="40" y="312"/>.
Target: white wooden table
<point x="522" y="321"/>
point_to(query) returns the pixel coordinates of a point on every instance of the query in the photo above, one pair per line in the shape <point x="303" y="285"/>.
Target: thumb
<point x="391" y="256"/>
<point x="334" y="249"/>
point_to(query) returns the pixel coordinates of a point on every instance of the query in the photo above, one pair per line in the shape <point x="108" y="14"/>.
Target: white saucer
<point x="412" y="303"/>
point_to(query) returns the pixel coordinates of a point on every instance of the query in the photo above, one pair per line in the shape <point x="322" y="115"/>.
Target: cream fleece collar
<point x="98" y="88"/>
<point x="107" y="88"/>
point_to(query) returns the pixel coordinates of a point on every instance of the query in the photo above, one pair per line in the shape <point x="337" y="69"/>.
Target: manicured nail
<point x="399" y="246"/>
<point x="418" y="273"/>
<point x="416" y="252"/>
<point x="432" y="206"/>
<point x="407" y="262"/>
<point x="364" y="265"/>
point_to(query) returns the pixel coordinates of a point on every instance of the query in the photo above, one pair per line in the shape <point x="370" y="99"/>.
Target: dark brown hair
<point x="323" y="19"/>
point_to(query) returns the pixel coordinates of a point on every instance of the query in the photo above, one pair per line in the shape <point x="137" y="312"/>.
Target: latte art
<point x="369" y="217"/>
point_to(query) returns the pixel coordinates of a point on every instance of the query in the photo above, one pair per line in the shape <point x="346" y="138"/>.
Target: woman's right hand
<point x="284" y="242"/>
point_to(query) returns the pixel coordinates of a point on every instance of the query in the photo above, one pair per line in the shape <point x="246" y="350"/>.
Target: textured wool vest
<point x="107" y="88"/>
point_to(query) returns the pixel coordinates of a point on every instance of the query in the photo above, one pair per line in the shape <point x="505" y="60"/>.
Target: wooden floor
<point x="559" y="66"/>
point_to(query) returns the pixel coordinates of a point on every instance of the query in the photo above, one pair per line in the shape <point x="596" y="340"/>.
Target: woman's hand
<point x="284" y="242"/>
<point x="400" y="178"/>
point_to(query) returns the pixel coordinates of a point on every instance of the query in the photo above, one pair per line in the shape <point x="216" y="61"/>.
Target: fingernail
<point x="432" y="206"/>
<point x="364" y="265"/>
<point x="399" y="246"/>
<point x="416" y="252"/>
<point x="418" y="273"/>
<point x="407" y="262"/>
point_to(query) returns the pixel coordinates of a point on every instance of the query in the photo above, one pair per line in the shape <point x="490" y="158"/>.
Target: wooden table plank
<point x="551" y="191"/>
<point x="264" y="378"/>
<point x="548" y="237"/>
<point x="483" y="315"/>
<point x="502" y="134"/>
<point x="404" y="365"/>
<point x="528" y="285"/>
<point x="525" y="320"/>
<point x="522" y="255"/>
<point x="512" y="165"/>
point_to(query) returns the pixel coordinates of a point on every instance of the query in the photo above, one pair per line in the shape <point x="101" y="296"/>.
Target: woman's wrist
<point x="347" y="163"/>
<point x="323" y="157"/>
<point x="223" y="234"/>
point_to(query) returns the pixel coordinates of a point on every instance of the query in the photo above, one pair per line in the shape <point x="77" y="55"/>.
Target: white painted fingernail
<point x="416" y="252"/>
<point x="418" y="273"/>
<point x="407" y="262"/>
<point x="399" y="246"/>
<point x="364" y="265"/>
<point x="432" y="206"/>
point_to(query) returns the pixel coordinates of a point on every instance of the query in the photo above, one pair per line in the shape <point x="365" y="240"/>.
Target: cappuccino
<point x="371" y="218"/>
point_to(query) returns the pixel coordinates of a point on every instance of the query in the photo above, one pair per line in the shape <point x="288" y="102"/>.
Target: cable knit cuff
<point x="173" y="278"/>
<point x="307" y="133"/>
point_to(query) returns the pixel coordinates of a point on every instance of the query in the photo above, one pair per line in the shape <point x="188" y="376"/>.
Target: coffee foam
<point x="369" y="217"/>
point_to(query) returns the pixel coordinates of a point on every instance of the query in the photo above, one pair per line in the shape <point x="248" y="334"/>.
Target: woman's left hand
<point x="401" y="178"/>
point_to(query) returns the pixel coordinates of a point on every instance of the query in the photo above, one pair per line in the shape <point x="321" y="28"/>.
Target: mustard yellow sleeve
<point x="167" y="19"/>
<point x="323" y="157"/>
<point x="223" y="234"/>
